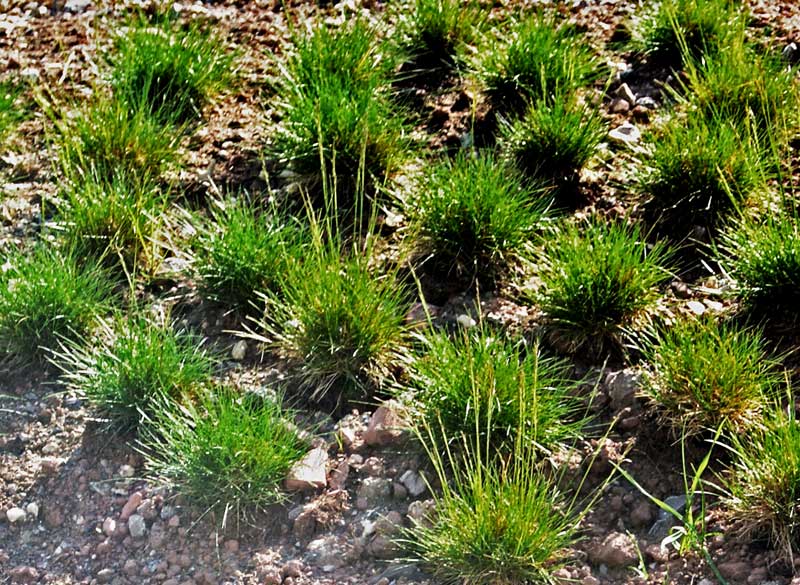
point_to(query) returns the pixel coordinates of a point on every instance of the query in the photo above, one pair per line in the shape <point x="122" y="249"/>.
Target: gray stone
<point x="239" y="350"/>
<point x="667" y="520"/>
<point x="622" y="387"/>
<point x="625" y="134"/>
<point x="15" y="515"/>
<point x="374" y="489"/>
<point x="414" y="483"/>
<point x="136" y="526"/>
<point x="625" y="92"/>
<point x="309" y="473"/>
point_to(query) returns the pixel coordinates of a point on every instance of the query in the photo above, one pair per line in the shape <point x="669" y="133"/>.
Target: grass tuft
<point x="473" y="214"/>
<point x="456" y="379"/>
<point x="697" y="172"/>
<point x="138" y="365"/>
<point x="552" y="143"/>
<point x="340" y="324"/>
<point x="748" y="88"/>
<point x="244" y="251"/>
<point x="228" y="453"/>
<point x="494" y="521"/>
<point x="539" y="60"/>
<point x="168" y="72"/>
<point x="763" y="257"/>
<point x="705" y="374"/>
<point x="339" y="132"/>
<point x="763" y="482"/>
<point x="596" y="282"/>
<point x="115" y="221"/>
<point x="437" y="29"/>
<point x="109" y="137"/>
<point x="48" y="296"/>
<point x="676" y="30"/>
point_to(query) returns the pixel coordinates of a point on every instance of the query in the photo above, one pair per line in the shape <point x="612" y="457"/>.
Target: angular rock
<point x="136" y="526"/>
<point x="622" y="387"/>
<point x="616" y="551"/>
<point x="385" y="426"/>
<point x="374" y="489"/>
<point x="414" y="483"/>
<point x="626" y="93"/>
<point x="625" y="134"/>
<point x="310" y="472"/>
<point x="130" y="506"/>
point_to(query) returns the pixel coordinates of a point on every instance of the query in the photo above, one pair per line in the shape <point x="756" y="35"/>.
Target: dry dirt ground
<point x="80" y="488"/>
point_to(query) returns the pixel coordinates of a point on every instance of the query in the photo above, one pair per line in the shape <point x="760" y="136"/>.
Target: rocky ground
<point x="73" y="507"/>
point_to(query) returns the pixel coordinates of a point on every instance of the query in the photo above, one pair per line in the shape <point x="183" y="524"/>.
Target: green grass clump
<point x="339" y="322"/>
<point x="705" y="374"/>
<point x="458" y="379"/>
<point x="675" y="30"/>
<point x="763" y="257"/>
<point x="553" y="141"/>
<point x="748" y="88"/>
<point x="115" y="221"/>
<point x="473" y="214"/>
<point x="244" y="251"/>
<point x="228" y="453"/>
<point x="48" y="296"/>
<point x="697" y="172"/>
<point x="139" y="365"/>
<point x="493" y="523"/>
<point x="596" y="282"/>
<point x="339" y="131"/>
<point x="539" y="60"/>
<point x="11" y="112"/>
<point x="167" y="71"/>
<point x="763" y="482"/>
<point x="109" y="137"/>
<point x="437" y="29"/>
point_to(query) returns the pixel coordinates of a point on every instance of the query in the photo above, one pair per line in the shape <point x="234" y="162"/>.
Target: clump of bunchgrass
<point x="540" y="59"/>
<point x="493" y="522"/>
<point x="749" y="88"/>
<point x="339" y="132"/>
<point x="48" y="295"/>
<point x="473" y="214"/>
<point x="704" y="374"/>
<point x="168" y="71"/>
<point x="456" y="379"/>
<point x="597" y="280"/>
<point x="136" y="366"/>
<point x="116" y="220"/>
<point x="763" y="482"/>
<point x="698" y="171"/>
<point x="228" y="452"/>
<point x="674" y="30"/>
<point x="339" y="321"/>
<point x="552" y="142"/>
<point x="437" y="29"/>
<point x="244" y="251"/>
<point x="108" y="137"/>
<point x="762" y="254"/>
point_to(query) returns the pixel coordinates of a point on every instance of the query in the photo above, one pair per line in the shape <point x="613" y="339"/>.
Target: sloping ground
<point x="90" y="518"/>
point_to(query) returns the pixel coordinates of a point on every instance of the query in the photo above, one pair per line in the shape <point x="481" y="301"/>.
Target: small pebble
<point x="15" y="515"/>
